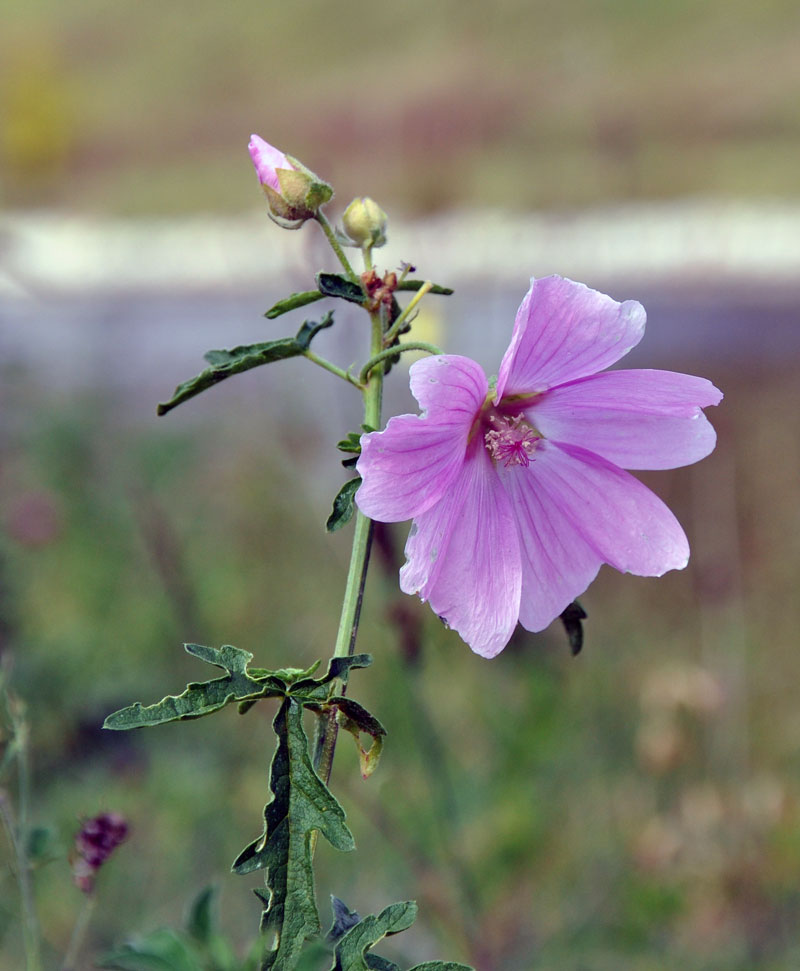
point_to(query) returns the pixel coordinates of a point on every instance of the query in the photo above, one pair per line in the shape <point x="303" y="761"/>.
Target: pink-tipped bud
<point x="267" y="160"/>
<point x="293" y="192"/>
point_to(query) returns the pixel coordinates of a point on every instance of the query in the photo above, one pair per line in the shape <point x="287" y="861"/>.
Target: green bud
<point x="365" y="222"/>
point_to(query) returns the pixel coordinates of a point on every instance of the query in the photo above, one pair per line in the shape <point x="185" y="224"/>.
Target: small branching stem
<point x="390" y="352"/>
<point x="394" y="330"/>
<point x="329" y="366"/>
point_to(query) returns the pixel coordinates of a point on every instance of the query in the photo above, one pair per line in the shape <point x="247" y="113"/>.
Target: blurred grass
<point x="146" y="108"/>
<point x="637" y="808"/>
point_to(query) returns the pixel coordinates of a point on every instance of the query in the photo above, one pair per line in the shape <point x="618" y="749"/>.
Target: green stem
<point x="17" y="832"/>
<point x="394" y="330"/>
<point x="339" y="372"/>
<point x="337" y="249"/>
<point x="393" y="352"/>
<point x="328" y="728"/>
<point x="79" y="933"/>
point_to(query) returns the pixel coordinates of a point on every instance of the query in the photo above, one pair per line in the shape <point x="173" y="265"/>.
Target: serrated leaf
<point x="335" y="285"/>
<point x="418" y="284"/>
<point x="572" y="618"/>
<point x="315" y="689"/>
<point x="300" y="803"/>
<point x="224" y="364"/>
<point x="343" y="505"/>
<point x="351" y="951"/>
<point x="202" y="698"/>
<point x="163" y="950"/>
<point x="354" y="718"/>
<point x="343" y="919"/>
<point x="293" y="302"/>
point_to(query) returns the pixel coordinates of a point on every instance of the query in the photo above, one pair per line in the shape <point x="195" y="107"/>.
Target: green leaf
<point x="417" y="284"/>
<point x="224" y="364"/>
<point x="334" y="285"/>
<point x="201" y="922"/>
<point x="300" y="803"/>
<point x="351" y="951"/>
<point x="292" y="302"/>
<point x="202" y="698"/>
<point x="354" y="718"/>
<point x="314" y="689"/>
<point x="343" y="505"/>
<point x="571" y="618"/>
<point x="352" y="443"/>
<point x="163" y="950"/>
<point x="343" y="919"/>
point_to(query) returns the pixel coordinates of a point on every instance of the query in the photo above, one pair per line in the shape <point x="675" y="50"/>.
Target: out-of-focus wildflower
<point x="517" y="491"/>
<point x="293" y="192"/>
<point x="96" y="841"/>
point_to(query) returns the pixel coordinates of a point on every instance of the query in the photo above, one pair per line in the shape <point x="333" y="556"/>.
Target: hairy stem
<point x="328" y="728"/>
<point x="337" y="249"/>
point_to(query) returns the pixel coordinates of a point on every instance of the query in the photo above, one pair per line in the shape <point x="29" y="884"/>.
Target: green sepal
<point x="343" y="505"/>
<point x="300" y="804"/>
<point x="335" y="285"/>
<point x="352" y="443"/>
<point x="418" y="284"/>
<point x="203" y="697"/>
<point x="224" y="364"/>
<point x="354" y="718"/>
<point x="161" y="950"/>
<point x="293" y="302"/>
<point x="351" y="954"/>
<point x="572" y="617"/>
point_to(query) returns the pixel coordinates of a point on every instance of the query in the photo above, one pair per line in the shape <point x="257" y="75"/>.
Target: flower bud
<point x="293" y="192"/>
<point x="365" y="222"/>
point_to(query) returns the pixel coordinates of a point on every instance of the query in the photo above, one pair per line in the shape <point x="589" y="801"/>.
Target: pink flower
<point x="517" y="492"/>
<point x="267" y="160"/>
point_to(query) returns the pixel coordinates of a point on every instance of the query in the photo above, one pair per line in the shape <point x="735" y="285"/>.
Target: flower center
<point x="511" y="441"/>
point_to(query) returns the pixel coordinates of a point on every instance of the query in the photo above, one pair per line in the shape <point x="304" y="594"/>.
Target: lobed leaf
<point x="293" y="302"/>
<point x="224" y="364"/>
<point x="300" y="804"/>
<point x="343" y="505"/>
<point x="351" y="953"/>
<point x="202" y="698"/>
<point x="335" y="285"/>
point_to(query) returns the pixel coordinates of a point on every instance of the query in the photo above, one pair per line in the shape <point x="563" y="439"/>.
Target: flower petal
<point x="408" y="466"/>
<point x="626" y="524"/>
<point x="463" y="557"/>
<point x="266" y="158"/>
<point x="636" y="419"/>
<point x="564" y="331"/>
<point x="558" y="562"/>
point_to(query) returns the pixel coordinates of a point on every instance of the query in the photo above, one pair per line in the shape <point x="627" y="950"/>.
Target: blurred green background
<point x="635" y="809"/>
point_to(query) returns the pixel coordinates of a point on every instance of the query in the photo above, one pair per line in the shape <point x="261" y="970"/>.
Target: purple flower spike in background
<point x="517" y="492"/>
